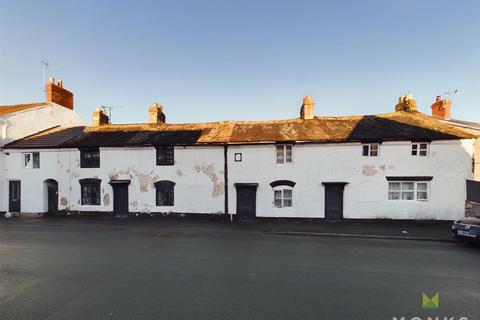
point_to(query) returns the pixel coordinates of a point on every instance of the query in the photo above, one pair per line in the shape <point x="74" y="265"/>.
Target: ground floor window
<point x="283" y="198"/>
<point x="165" y="193"/>
<point x="408" y="190"/>
<point x="90" y="191"/>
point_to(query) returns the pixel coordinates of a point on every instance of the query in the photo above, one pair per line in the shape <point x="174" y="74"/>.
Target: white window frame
<point x="401" y="194"/>
<point x="373" y="149"/>
<point x="283" y="153"/>
<point x="282" y="197"/>
<point x="30" y="164"/>
<point x="420" y="149"/>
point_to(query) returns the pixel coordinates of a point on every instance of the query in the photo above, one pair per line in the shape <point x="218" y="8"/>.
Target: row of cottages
<point x="398" y="165"/>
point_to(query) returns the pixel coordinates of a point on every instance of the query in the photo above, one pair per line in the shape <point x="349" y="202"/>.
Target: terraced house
<point x="400" y="165"/>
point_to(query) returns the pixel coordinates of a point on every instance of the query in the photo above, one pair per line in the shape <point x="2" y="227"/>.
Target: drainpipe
<point x="225" y="178"/>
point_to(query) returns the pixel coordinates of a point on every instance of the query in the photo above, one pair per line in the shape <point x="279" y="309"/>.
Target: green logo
<point x="430" y="303"/>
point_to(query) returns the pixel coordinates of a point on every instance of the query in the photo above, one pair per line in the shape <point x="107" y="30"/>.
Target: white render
<point x="199" y="176"/>
<point x="20" y="124"/>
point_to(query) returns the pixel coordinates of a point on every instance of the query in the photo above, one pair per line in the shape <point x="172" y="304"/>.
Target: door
<point x="14" y="196"/>
<point x="334" y="201"/>
<point x="120" y="199"/>
<point x="52" y="194"/>
<point x="246" y="201"/>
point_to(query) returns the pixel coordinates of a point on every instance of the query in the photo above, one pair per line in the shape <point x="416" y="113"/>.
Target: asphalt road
<point x="71" y="269"/>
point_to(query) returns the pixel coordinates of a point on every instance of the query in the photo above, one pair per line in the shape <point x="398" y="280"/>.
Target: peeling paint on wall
<point x="383" y="167"/>
<point x="209" y="171"/>
<point x="134" y="203"/>
<point x="179" y="173"/>
<point x="369" y="170"/>
<point x="106" y="199"/>
<point x="64" y="201"/>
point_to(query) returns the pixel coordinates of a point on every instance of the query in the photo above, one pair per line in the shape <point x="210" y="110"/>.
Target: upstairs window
<point x="370" y="150"/>
<point x="165" y="196"/>
<point x="90" y="191"/>
<point x="408" y="190"/>
<point x="31" y="160"/>
<point x="420" y="149"/>
<point x="165" y="156"/>
<point x="284" y="153"/>
<point x="90" y="158"/>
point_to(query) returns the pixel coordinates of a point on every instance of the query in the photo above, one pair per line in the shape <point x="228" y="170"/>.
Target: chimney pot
<point x="441" y="108"/>
<point x="99" y="118"/>
<point x="406" y="103"/>
<point x="307" y="109"/>
<point x="156" y="114"/>
<point x="57" y="94"/>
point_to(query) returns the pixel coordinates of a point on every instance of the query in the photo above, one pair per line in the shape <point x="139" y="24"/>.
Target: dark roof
<point x="4" y="110"/>
<point x="394" y="126"/>
<point x="463" y="124"/>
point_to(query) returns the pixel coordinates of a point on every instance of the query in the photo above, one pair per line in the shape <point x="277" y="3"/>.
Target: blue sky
<point x="242" y="60"/>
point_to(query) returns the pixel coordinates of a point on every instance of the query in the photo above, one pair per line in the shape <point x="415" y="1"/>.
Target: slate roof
<point x="394" y="126"/>
<point x="4" y="110"/>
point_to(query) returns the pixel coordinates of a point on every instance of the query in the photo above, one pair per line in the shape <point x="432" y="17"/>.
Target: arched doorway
<point x="52" y="196"/>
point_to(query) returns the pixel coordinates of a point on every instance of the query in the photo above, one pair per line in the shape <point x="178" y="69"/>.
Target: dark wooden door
<point x="246" y="201"/>
<point x="14" y="196"/>
<point x="334" y="201"/>
<point x="52" y="190"/>
<point x="120" y="199"/>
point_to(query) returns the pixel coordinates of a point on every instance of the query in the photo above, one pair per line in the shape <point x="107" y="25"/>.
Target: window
<point x="90" y="158"/>
<point x="282" y="198"/>
<point x="165" y="193"/>
<point x="165" y="156"/>
<point x="370" y="150"/>
<point x="420" y="149"/>
<point x="90" y="189"/>
<point x="284" y="153"/>
<point x="408" y="190"/>
<point x="31" y="160"/>
<point x="238" y="157"/>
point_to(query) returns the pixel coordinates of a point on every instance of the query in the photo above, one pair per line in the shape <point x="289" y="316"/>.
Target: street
<point x="108" y="269"/>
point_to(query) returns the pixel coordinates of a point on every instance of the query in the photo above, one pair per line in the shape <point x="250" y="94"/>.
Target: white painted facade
<point x="199" y="176"/>
<point x="26" y="122"/>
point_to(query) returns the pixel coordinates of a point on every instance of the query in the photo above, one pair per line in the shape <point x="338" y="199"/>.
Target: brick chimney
<point x="406" y="103"/>
<point x="99" y="118"/>
<point x="441" y="108"/>
<point x="307" y="110"/>
<point x="57" y="94"/>
<point x="155" y="114"/>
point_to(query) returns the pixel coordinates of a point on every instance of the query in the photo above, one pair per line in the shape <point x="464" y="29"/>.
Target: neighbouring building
<point x="398" y="165"/>
<point x="21" y="120"/>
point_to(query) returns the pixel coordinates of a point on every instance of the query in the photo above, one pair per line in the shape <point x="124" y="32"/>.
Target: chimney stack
<point x="441" y="108"/>
<point x="57" y="94"/>
<point x="406" y="103"/>
<point x="307" y="110"/>
<point x="155" y="114"/>
<point x="99" y="118"/>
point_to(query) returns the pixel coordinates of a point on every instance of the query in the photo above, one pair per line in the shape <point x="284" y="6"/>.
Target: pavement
<point x="385" y="229"/>
<point x="175" y="269"/>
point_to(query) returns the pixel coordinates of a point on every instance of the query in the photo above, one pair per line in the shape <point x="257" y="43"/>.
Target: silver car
<point x="467" y="229"/>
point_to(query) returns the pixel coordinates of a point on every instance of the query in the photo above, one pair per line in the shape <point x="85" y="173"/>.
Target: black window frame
<point x="164" y="193"/>
<point x="89" y="162"/>
<point x="92" y="187"/>
<point x="165" y="155"/>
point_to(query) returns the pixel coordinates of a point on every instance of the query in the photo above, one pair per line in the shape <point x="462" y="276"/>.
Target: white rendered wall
<point x="23" y="123"/>
<point x="198" y="174"/>
<point x="366" y="194"/>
